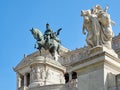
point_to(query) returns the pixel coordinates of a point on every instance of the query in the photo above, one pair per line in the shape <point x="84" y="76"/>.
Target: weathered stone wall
<point x="116" y="44"/>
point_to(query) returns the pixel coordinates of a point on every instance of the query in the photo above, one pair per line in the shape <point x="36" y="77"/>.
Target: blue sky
<point x="17" y="17"/>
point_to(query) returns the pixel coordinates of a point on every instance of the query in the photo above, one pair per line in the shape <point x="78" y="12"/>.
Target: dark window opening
<point x="22" y="80"/>
<point x="66" y="78"/>
<point x="28" y="78"/>
<point x="74" y="75"/>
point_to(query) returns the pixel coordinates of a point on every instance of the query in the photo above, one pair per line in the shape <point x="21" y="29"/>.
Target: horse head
<point x="36" y="34"/>
<point x="86" y="15"/>
<point x="85" y="12"/>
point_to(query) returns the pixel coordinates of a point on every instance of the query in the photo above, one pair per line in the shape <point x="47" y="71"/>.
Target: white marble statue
<point x="98" y="23"/>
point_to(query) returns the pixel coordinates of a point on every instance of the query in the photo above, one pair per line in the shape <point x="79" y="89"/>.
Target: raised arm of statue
<point x="58" y="31"/>
<point x="106" y="8"/>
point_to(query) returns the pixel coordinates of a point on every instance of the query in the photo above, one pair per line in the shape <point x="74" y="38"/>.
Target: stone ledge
<point x="50" y="87"/>
<point x="97" y="57"/>
<point x="47" y="61"/>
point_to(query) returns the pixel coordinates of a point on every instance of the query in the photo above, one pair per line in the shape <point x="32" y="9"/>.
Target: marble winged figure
<point x="98" y="24"/>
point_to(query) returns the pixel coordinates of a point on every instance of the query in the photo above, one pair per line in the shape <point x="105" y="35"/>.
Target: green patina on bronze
<point x="48" y="41"/>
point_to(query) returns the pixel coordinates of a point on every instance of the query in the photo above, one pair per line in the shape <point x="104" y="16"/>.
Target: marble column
<point x="25" y="81"/>
<point x="18" y="81"/>
<point x="70" y="79"/>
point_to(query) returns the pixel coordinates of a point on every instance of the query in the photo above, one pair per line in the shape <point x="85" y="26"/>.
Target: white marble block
<point x="45" y="71"/>
<point x="98" y="70"/>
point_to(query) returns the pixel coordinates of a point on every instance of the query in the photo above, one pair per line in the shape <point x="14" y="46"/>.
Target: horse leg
<point x="54" y="53"/>
<point x="58" y="49"/>
<point x="39" y="48"/>
<point x="89" y="41"/>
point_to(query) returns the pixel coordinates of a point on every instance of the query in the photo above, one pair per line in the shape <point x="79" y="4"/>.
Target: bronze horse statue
<point x="49" y="44"/>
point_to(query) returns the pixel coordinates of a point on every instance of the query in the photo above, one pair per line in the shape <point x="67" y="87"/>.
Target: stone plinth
<point x="98" y="70"/>
<point x="45" y="71"/>
<point x="54" y="87"/>
<point x="50" y="87"/>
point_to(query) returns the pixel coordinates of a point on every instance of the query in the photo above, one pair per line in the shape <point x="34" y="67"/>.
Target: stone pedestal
<point x="98" y="70"/>
<point x="45" y="71"/>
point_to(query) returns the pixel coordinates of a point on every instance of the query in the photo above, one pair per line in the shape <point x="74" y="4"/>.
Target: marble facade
<point x="81" y="69"/>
